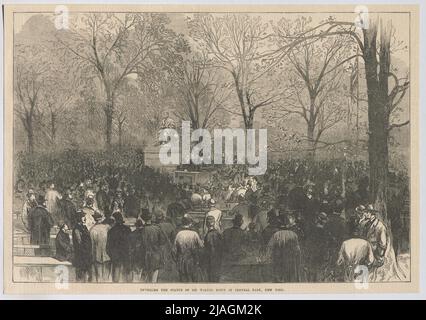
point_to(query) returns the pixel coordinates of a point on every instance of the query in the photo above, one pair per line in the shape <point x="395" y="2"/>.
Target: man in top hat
<point x="188" y="248"/>
<point x="153" y="240"/>
<point x="216" y="214"/>
<point x="30" y="203"/>
<point x="118" y="248"/>
<point x="40" y="222"/>
<point x="234" y="239"/>
<point x="82" y="244"/>
<point x="213" y="250"/>
<point x="271" y="228"/>
<point x="99" y="236"/>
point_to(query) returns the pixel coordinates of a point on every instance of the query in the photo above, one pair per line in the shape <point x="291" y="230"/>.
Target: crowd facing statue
<point x="298" y="223"/>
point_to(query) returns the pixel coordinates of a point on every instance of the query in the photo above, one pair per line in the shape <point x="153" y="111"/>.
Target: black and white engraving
<point x="211" y="147"/>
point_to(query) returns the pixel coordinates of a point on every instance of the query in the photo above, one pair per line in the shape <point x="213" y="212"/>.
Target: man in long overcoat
<point x="188" y="247"/>
<point x="118" y="248"/>
<point x="153" y="241"/>
<point x="82" y="249"/>
<point x="285" y="252"/>
<point x="64" y="250"/>
<point x="68" y="210"/>
<point x="213" y="250"/>
<point x="101" y="260"/>
<point x="40" y="222"/>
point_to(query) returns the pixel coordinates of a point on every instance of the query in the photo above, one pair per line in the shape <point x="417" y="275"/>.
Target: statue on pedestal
<point x="165" y="124"/>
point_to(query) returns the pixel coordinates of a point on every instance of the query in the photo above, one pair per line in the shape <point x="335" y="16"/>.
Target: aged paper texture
<point x="211" y="149"/>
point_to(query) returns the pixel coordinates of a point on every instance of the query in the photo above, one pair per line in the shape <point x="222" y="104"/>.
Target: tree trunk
<point x="120" y="136"/>
<point x="248" y="115"/>
<point x="311" y="140"/>
<point x="53" y="128"/>
<point x="249" y="120"/>
<point x="377" y="91"/>
<point x="30" y="136"/>
<point x="29" y="128"/>
<point x="109" y="112"/>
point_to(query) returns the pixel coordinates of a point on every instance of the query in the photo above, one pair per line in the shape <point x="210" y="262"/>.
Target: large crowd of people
<point x="295" y="224"/>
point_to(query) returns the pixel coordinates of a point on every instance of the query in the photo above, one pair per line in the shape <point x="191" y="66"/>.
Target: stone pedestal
<point x="152" y="159"/>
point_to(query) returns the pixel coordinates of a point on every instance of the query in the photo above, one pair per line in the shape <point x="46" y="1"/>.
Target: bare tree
<point x="116" y="46"/>
<point x="383" y="98"/>
<point x="236" y="44"/>
<point x="31" y="70"/>
<point x="314" y="79"/>
<point x="55" y="103"/>
<point x="201" y="98"/>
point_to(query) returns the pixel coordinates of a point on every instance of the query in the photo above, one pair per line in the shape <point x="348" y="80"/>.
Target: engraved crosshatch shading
<point x="134" y="134"/>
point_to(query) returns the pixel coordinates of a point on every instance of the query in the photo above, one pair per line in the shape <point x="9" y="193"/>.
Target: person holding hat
<point x="118" y="248"/>
<point x="30" y="203"/>
<point x="82" y="244"/>
<point x="99" y="236"/>
<point x="188" y="248"/>
<point x="39" y="223"/>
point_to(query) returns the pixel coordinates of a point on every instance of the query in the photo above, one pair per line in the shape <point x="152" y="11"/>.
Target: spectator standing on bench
<point x="52" y="202"/>
<point x="29" y="204"/>
<point x="82" y="249"/>
<point x="40" y="222"/>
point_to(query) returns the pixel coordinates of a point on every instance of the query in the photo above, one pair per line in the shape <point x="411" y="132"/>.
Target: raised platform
<point x="42" y="269"/>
